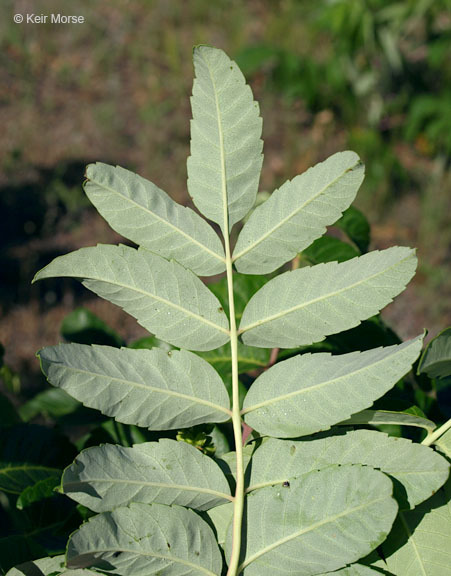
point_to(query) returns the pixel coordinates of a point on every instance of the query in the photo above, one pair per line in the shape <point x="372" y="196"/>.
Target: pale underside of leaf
<point x="379" y="417"/>
<point x="305" y="305"/>
<point x="48" y="567"/>
<point x="166" y="472"/>
<point x="444" y="443"/>
<point x="354" y="570"/>
<point x="419" y="469"/>
<point x="225" y="162"/>
<point x="166" y="299"/>
<point x="151" y="388"/>
<point x="297" y="213"/>
<point x="419" y="544"/>
<point x="140" y="211"/>
<point x="141" y="539"/>
<point x="319" y="523"/>
<point x="304" y="394"/>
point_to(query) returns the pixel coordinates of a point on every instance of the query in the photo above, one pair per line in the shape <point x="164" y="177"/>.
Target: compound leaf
<point x="305" y="305"/>
<point x="143" y="213"/>
<point x="166" y="472"/>
<point x="419" y="469"/>
<point x="146" y="538"/>
<point x="164" y="297"/>
<point x="320" y="522"/>
<point x="419" y="541"/>
<point x="151" y="388"/>
<point x="225" y="162"/>
<point x="304" y="394"/>
<point x="297" y="213"/>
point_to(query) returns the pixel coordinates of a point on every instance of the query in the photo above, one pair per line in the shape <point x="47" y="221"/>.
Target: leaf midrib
<point x="166" y="391"/>
<point x="327" y="382"/>
<point x="303" y="531"/>
<point x="157" y="217"/>
<point x="184" y="487"/>
<point x="159" y="299"/>
<point x="320" y="298"/>
<point x="292" y="214"/>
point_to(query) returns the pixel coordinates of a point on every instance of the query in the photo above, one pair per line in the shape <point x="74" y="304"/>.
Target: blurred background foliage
<point x="370" y="75"/>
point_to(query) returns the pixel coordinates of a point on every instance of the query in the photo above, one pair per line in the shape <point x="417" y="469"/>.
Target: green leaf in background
<point x="17" y="548"/>
<point x="15" y="477"/>
<point x="320" y="522"/>
<point x="53" y="403"/>
<point x="166" y="472"/>
<point x="419" y="541"/>
<point x="244" y="287"/>
<point x="165" y="298"/>
<point x="289" y="310"/>
<point x="225" y="162"/>
<point x="304" y="394"/>
<point x="329" y="249"/>
<point x="170" y="539"/>
<point x="356" y="227"/>
<point x="297" y="213"/>
<point x="30" y="453"/>
<point x="143" y="213"/>
<point x="436" y="358"/>
<point x="84" y="327"/>
<point x="383" y="417"/>
<point x="133" y="386"/>
<point x="420" y="470"/>
<point x="8" y="414"/>
<point x="249" y="358"/>
<point x="149" y="342"/>
<point x="44" y="488"/>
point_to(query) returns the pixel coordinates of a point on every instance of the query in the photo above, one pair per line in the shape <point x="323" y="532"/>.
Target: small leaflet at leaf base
<point x="141" y="537"/>
<point x="321" y="522"/>
<point x="303" y="306"/>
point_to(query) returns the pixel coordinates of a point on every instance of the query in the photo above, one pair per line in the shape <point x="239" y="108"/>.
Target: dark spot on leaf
<point x="197" y="552"/>
<point x="292" y="450"/>
<point x="286" y="484"/>
<point x="220" y="309"/>
<point x="168" y="544"/>
<point x="116" y="554"/>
